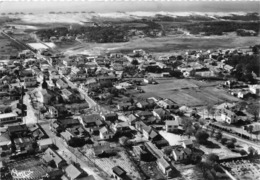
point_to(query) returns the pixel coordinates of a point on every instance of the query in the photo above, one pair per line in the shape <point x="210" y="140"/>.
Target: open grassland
<point x="188" y="92"/>
<point x="169" y="44"/>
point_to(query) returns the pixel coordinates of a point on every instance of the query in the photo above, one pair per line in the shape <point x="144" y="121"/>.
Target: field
<point x="31" y="168"/>
<point x="188" y="92"/>
<point x="6" y="48"/>
<point x="120" y="159"/>
<point x="169" y="44"/>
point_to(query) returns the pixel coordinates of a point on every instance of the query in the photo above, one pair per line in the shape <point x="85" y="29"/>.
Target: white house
<point x="8" y="118"/>
<point x="105" y="133"/>
<point x="254" y="89"/>
<point x="171" y="125"/>
<point x="53" y="111"/>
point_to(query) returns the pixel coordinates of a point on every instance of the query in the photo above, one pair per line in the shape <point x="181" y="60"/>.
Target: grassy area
<point x="188" y="92"/>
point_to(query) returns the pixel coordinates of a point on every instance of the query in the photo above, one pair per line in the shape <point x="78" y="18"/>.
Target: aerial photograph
<point x="129" y="90"/>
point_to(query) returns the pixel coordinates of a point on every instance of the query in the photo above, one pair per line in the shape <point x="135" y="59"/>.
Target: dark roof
<point x="119" y="171"/>
<point x="17" y="128"/>
<point x="68" y="122"/>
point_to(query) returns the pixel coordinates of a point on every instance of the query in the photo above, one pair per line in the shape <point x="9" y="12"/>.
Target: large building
<point x="8" y="118"/>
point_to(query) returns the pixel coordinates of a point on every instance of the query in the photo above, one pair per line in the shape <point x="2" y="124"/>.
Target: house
<point x="53" y="111"/>
<point x="123" y="85"/>
<point x="122" y="127"/>
<point x="167" y="104"/>
<point x="8" y="118"/>
<point x="110" y="117"/>
<point x="67" y="136"/>
<point x="30" y="81"/>
<point x="131" y="119"/>
<point x="51" y="155"/>
<point x="44" y="144"/>
<point x="141" y="152"/>
<point x="254" y="89"/>
<point x="187" y="143"/>
<point x="144" y="114"/>
<point x="66" y="94"/>
<point x="119" y="173"/>
<point x="164" y="166"/>
<point x="180" y="153"/>
<point x="17" y="130"/>
<point x="228" y="116"/>
<point x="61" y="84"/>
<point x="67" y="123"/>
<point x="5" y="144"/>
<point x="123" y="106"/>
<point x="106" y="133"/>
<point x="142" y="105"/>
<point x="75" y="173"/>
<point x="161" y="114"/>
<point x="171" y="125"/>
<point x="106" y="79"/>
<point x="143" y="128"/>
<point x="149" y="80"/>
<point x="90" y="121"/>
<point x="101" y="150"/>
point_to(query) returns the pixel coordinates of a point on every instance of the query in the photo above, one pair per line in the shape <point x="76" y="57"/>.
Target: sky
<point x="128" y="6"/>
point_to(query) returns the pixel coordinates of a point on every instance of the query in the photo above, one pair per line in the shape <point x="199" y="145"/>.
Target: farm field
<point x="120" y="159"/>
<point x="31" y="168"/>
<point x="188" y="92"/>
<point x="169" y="84"/>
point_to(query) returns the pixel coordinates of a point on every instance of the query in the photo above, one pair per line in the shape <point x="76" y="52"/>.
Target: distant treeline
<point x="220" y="27"/>
<point x="100" y="34"/>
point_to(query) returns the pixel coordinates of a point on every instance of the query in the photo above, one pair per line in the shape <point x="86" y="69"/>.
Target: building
<point x="53" y="112"/>
<point x="8" y="118"/>
<point x="181" y="154"/>
<point x="254" y="89"/>
<point x="75" y="173"/>
<point x="228" y="116"/>
<point x="166" y="104"/>
<point x="161" y="114"/>
<point x="171" y="125"/>
<point x="105" y="133"/>
<point x="51" y="155"/>
<point x="44" y="144"/>
<point x="164" y="166"/>
<point x="119" y="173"/>
<point x="61" y="84"/>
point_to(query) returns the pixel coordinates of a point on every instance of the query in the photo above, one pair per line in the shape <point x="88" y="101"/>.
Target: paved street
<point x="65" y="153"/>
<point x="30" y="118"/>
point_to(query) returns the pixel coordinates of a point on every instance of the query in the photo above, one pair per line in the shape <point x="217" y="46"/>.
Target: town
<point x="123" y="116"/>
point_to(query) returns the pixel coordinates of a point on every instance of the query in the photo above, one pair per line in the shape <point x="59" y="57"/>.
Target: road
<point x="239" y="139"/>
<point x="68" y="155"/>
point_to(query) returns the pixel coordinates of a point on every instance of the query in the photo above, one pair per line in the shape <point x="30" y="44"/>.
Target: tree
<point x="252" y="151"/>
<point x="189" y="131"/>
<point x="219" y="135"/>
<point x="230" y="145"/>
<point x="234" y="140"/>
<point x="196" y="126"/>
<point x="134" y="62"/>
<point x="224" y="140"/>
<point x="212" y="158"/>
<point x="8" y="109"/>
<point x="250" y="129"/>
<point x="202" y="136"/>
